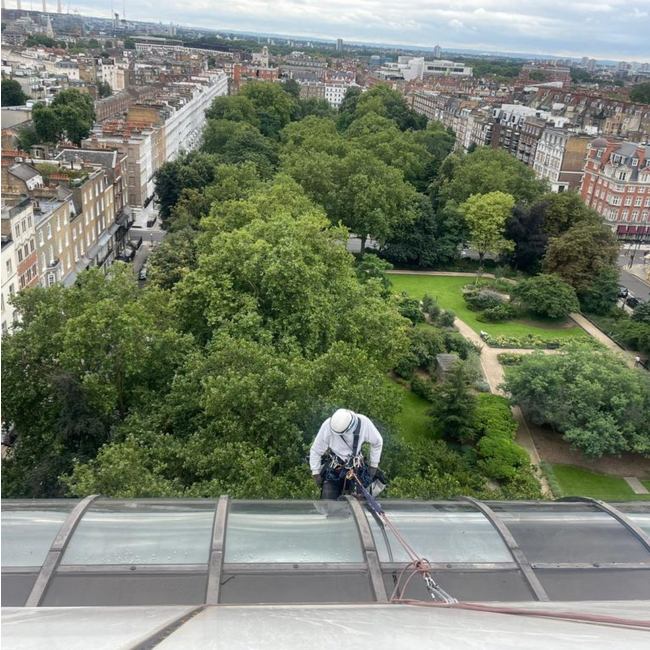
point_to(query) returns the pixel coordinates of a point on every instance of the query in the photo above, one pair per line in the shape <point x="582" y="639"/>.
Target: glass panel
<point x="324" y="531"/>
<point x="440" y="535"/>
<point x="642" y="521"/>
<point x="105" y="590"/>
<point x="141" y="532"/>
<point x="564" y="537"/>
<point x="339" y="587"/>
<point x="29" y="530"/>
<point x="596" y="584"/>
<point x="472" y="586"/>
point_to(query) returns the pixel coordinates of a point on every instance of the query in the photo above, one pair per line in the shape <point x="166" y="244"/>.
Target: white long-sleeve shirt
<point x="325" y="440"/>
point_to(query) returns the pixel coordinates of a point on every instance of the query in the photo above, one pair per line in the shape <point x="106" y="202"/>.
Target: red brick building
<point x="616" y="184"/>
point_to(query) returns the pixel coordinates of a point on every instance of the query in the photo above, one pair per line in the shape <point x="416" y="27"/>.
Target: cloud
<point x="535" y="26"/>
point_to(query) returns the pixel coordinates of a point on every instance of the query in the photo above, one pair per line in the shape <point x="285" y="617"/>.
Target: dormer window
<point x="635" y="162"/>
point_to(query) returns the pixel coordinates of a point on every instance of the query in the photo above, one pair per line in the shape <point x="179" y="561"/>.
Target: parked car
<point x="623" y="291"/>
<point x="632" y="301"/>
<point x="142" y="275"/>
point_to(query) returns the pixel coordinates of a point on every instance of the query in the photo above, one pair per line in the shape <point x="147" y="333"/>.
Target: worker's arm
<point x="376" y="442"/>
<point x="318" y="448"/>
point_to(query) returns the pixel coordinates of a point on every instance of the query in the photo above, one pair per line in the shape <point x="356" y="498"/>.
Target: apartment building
<point x="53" y="213"/>
<point x="616" y="183"/>
<point x="18" y="224"/>
<point x="560" y="158"/>
<point x="9" y="282"/>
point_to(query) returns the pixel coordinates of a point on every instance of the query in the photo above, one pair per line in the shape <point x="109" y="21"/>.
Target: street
<point x="637" y="286"/>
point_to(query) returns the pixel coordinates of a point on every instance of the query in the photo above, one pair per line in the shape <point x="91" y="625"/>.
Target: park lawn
<point x="414" y="420"/>
<point x="574" y="481"/>
<point x="448" y="292"/>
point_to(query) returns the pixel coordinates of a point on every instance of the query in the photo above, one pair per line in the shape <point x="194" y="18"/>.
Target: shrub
<point x="406" y="366"/>
<point x="546" y="295"/>
<point x="431" y="306"/>
<point x="481" y="386"/>
<point x="530" y="341"/>
<point x="494" y="417"/>
<point x="523" y="484"/>
<point x="641" y="313"/>
<point x="425" y="343"/>
<point x="510" y="358"/>
<point x="633" y="335"/>
<point x="410" y="308"/>
<point x="497" y="314"/>
<point x="423" y="388"/>
<point x="500" y="457"/>
<point x="483" y="299"/>
<point x="447" y="318"/>
<point x="458" y="344"/>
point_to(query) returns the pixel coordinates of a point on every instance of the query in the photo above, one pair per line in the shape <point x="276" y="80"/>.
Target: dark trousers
<point x="332" y="489"/>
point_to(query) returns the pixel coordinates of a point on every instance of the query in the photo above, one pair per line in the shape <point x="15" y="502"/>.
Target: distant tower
<point x="58" y="7"/>
<point x="49" y="32"/>
<point x="437" y="52"/>
<point x="44" y="6"/>
<point x="18" y="5"/>
<point x="339" y="44"/>
<point x="264" y="60"/>
<point x="116" y="21"/>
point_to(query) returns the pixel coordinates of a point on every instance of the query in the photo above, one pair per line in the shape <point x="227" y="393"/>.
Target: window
<point x="12" y="291"/>
<point x="647" y="202"/>
<point x="43" y="264"/>
<point x="9" y="266"/>
<point x="29" y="221"/>
<point x="86" y="217"/>
<point x="32" y="246"/>
<point x="19" y="252"/>
<point x="635" y="215"/>
<point x="625" y="214"/>
<point x="67" y="239"/>
<point x="41" y="241"/>
<point x="49" y="231"/>
<point x="76" y="253"/>
<point x="58" y="223"/>
<point x="60" y="247"/>
<point x="23" y="225"/>
<point x="628" y="200"/>
<point x="638" y="201"/>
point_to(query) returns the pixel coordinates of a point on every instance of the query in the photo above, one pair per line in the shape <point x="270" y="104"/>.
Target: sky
<point x="603" y="29"/>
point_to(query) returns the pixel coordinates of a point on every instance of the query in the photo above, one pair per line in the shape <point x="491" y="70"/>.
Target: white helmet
<point x="343" y="421"/>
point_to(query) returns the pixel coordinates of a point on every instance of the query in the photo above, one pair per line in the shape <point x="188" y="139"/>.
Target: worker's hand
<point x="372" y="471"/>
<point x="319" y="479"/>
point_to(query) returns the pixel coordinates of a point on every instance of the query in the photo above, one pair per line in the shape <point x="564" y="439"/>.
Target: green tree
<point x="388" y="103"/>
<point x="314" y="106"/>
<point x="581" y="253"/>
<point x="546" y="295"/>
<point x="563" y="211"/>
<point x="93" y="43"/>
<point x="195" y="170"/>
<point x="236" y="108"/>
<point x="273" y="105"/>
<point x="292" y="87"/>
<point x="173" y="258"/>
<point x="483" y="171"/>
<point x="589" y="395"/>
<point x="71" y="114"/>
<point x="348" y="107"/>
<point x="602" y="294"/>
<point x="84" y="358"/>
<point x="104" y="89"/>
<point x="526" y="229"/>
<point x="27" y="138"/>
<point x="129" y="44"/>
<point x="108" y="44"/>
<point x="641" y="313"/>
<point x="641" y="93"/>
<point x="12" y="93"/>
<point x="485" y="215"/>
<point x="454" y="412"/>
<point x="396" y="148"/>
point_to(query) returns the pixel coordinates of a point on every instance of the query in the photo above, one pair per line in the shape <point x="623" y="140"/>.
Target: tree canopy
<point x="589" y="395"/>
<point x="70" y="115"/>
<point x="12" y="93"/>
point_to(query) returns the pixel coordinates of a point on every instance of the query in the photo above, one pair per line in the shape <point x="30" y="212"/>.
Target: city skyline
<point x="603" y="29"/>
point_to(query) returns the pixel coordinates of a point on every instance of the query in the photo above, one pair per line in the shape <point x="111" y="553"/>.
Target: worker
<point x="335" y="444"/>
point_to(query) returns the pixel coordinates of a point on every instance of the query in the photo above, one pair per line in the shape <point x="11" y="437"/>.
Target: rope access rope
<point x="420" y="565"/>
